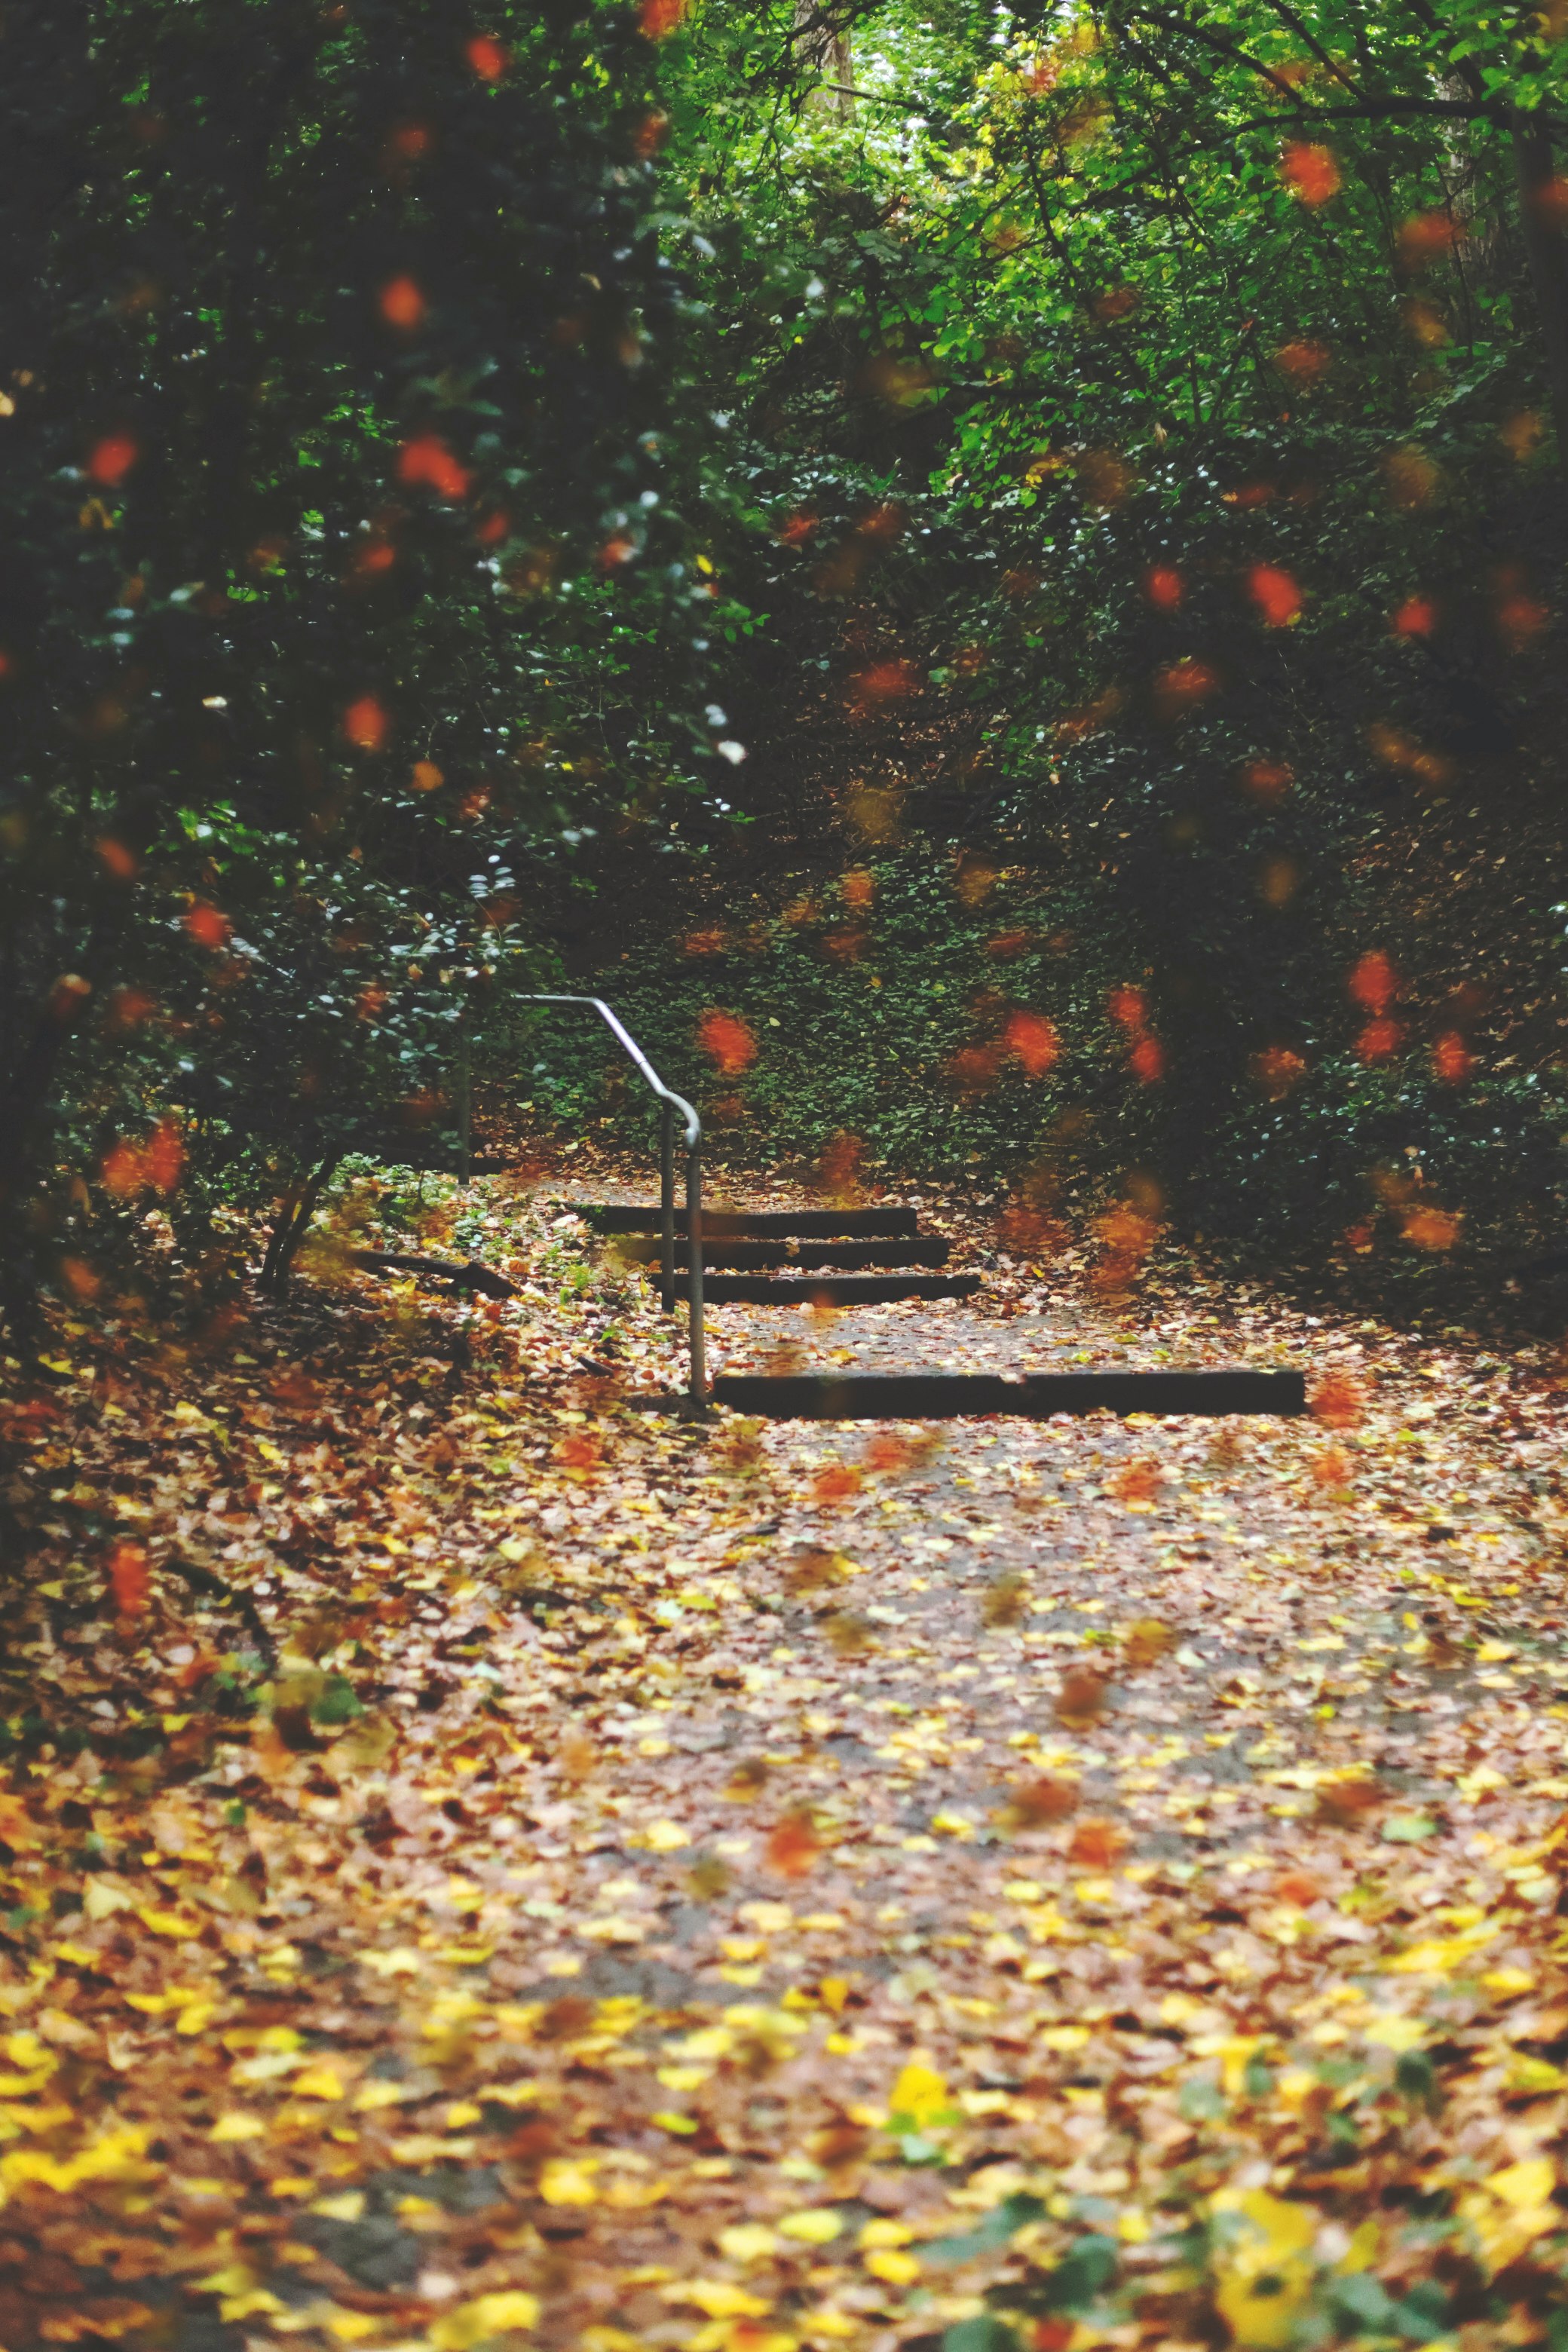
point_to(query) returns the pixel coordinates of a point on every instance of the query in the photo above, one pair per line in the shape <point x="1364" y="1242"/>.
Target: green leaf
<point x="1003" y="2221"/>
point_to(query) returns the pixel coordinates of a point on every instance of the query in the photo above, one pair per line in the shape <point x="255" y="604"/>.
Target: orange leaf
<point x="1097" y="1845"/>
<point x="794" y="1846"/>
<point x="367" y="724"/>
<point x="1310" y="173"/>
<point x="127" y="1578"/>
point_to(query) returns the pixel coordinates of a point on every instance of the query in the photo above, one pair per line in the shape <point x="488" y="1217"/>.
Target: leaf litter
<point x="483" y="1864"/>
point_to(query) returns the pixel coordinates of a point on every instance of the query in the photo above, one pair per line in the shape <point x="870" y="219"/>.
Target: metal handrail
<point x="671" y="1102"/>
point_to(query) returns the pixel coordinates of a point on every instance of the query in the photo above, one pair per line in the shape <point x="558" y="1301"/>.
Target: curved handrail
<point x="672" y="1103"/>
<point x="664" y="1094"/>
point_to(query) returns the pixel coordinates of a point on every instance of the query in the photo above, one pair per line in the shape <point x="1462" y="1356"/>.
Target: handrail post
<point x="666" y="1204"/>
<point x="694" y="1244"/>
<point x="693" y="1132"/>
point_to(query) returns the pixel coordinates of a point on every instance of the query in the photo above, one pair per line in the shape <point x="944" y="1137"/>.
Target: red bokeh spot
<point x="402" y="303"/>
<point x="839" y="1169"/>
<point x="493" y="529"/>
<point x="881" y="683"/>
<point x="727" y="1041"/>
<point x="1417" y="618"/>
<point x="408" y="141"/>
<point x="166" y="1156"/>
<point x="1130" y="1007"/>
<point x="1337" y="1400"/>
<point x="1182" y="687"/>
<point x="154" y="1165"/>
<point x="1520" y="618"/>
<point x="797" y="528"/>
<point x="428" y="460"/>
<point x="1452" y="1060"/>
<point x="1373" y="981"/>
<point x="1097" y="1845"/>
<point x="123" y="1171"/>
<point x="1305" y="361"/>
<point x="1163" y="587"/>
<point x="118" y="860"/>
<point x="1147" y="1060"/>
<point x="1549" y="202"/>
<point x="1033" y="1042"/>
<point x="367" y="724"/>
<point x="1310" y="173"/>
<point x="1275" y="593"/>
<point x="836" y="1483"/>
<point x="1429" y="1228"/>
<point x="489" y="57"/>
<point x="649" y="133"/>
<point x="112" y="459"/>
<point x="208" y="926"/>
<point x="794" y="1846"/>
<point x="884" y="522"/>
<point x="972" y="1068"/>
<point x="581" y="1451"/>
<point x="659" y="19"/>
<point x="127" y="1578"/>
<point x="1424" y="236"/>
<point x="1268" y="781"/>
<point x="1277" y="1071"/>
<point x="1378" y="1040"/>
<point x="129" y="1007"/>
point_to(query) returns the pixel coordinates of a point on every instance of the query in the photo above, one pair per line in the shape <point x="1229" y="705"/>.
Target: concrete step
<point x="792" y="1257"/>
<point x="833" y="1289"/>
<point x="949" y="1396"/>
<point x="761" y="1226"/>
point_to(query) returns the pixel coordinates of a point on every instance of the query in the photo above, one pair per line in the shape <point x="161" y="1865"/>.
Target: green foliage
<point x="340" y="558"/>
<point x="1157" y="406"/>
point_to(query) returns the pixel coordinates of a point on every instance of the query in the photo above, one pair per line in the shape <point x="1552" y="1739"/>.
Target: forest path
<point x="764" y="1884"/>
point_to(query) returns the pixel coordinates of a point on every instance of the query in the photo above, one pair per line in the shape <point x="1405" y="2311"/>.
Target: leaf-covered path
<point x="484" y="1859"/>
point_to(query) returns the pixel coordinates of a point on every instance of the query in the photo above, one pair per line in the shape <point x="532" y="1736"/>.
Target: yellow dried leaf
<point x="318" y="2083"/>
<point x="486" y="2316"/>
<point x="920" y="2094"/>
<point x="1396" y="2034"/>
<point x="569" y="2180"/>
<point x="1442" y="1953"/>
<point x="1524" y="2185"/>
<point x="898" y="2269"/>
<point x="663" y="1837"/>
<point x="168" y="1923"/>
<point x="236" y="2124"/>
<point x="814" y="2225"/>
<point x="747" y="2241"/>
<point x="716" y="2298"/>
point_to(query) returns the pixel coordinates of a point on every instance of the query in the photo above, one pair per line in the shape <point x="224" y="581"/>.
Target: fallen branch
<point x="468" y="1277"/>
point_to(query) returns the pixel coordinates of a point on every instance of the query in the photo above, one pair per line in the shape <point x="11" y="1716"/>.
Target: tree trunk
<point x="822" y="45"/>
<point x="288" y="1233"/>
<point x="1546" y="250"/>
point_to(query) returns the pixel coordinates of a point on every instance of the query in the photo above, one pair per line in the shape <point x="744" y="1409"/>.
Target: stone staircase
<point x="796" y="1258"/>
<point x="868" y="1258"/>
